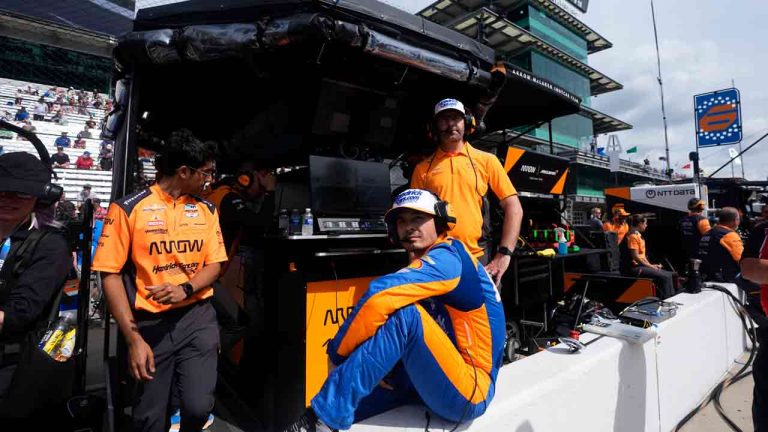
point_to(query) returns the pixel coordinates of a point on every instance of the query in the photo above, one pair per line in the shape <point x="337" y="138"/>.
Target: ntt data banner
<point x="674" y="197"/>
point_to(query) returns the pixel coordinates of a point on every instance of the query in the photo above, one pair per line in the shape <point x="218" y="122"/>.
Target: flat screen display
<point x="345" y="187"/>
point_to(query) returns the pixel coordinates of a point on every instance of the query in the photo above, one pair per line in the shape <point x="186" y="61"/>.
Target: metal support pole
<point x="661" y="91"/>
<point x="551" y="144"/>
<point x="733" y="85"/>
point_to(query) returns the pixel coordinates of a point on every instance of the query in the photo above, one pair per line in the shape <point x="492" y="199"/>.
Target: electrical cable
<point x="714" y="396"/>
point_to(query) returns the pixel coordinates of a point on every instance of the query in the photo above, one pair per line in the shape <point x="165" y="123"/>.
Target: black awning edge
<point x="208" y="42"/>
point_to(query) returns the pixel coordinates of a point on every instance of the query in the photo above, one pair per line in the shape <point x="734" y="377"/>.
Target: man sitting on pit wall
<point x="635" y="263"/>
<point x="441" y="317"/>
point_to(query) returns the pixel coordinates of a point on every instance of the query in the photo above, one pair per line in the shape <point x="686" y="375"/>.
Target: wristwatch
<point x="505" y="251"/>
<point x="188" y="289"/>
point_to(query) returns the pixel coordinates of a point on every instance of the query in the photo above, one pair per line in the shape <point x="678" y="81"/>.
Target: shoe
<point x="176" y="422"/>
<point x="308" y="422"/>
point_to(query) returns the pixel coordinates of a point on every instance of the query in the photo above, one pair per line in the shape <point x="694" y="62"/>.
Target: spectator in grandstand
<point x="59" y="117"/>
<point x="21" y="114"/>
<point x="91" y="123"/>
<point x="28" y="126"/>
<point x="82" y="107"/>
<point x="86" y="193"/>
<point x="105" y="158"/>
<point x="65" y="210"/>
<point x="63" y="140"/>
<point x="60" y="159"/>
<point x="41" y="109"/>
<point x="85" y="161"/>
<point x="85" y="133"/>
<point x="50" y="93"/>
<point x="79" y="143"/>
<point x="18" y="100"/>
<point x="99" y="212"/>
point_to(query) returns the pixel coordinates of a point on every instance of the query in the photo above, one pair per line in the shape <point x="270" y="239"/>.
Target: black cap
<point x="22" y="172"/>
<point x="696" y="204"/>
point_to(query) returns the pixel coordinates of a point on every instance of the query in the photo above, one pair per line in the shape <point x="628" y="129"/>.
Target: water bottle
<point x="295" y="222"/>
<point x="53" y="337"/>
<point x="283" y="222"/>
<point x="562" y="245"/>
<point x="307" y="223"/>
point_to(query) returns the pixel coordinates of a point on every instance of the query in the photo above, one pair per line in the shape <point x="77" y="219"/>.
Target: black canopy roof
<point x="380" y="16"/>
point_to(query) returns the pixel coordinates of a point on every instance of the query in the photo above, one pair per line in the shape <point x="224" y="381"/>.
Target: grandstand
<point x="71" y="179"/>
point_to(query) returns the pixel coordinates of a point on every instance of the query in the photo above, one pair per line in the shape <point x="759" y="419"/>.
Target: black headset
<point x="50" y="192"/>
<point x="443" y="219"/>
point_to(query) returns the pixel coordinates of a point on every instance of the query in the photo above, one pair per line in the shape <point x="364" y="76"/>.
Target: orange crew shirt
<point x="636" y="241"/>
<point x="151" y="238"/>
<point x="620" y="228"/>
<point x="463" y="178"/>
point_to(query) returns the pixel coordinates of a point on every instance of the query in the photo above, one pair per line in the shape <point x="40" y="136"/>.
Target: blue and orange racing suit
<point x="441" y="318"/>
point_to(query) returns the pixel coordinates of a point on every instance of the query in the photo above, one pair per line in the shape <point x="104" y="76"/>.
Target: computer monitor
<point x="345" y="187"/>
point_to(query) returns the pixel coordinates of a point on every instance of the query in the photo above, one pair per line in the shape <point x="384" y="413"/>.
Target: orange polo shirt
<point x="150" y="238"/>
<point x="636" y="241"/>
<point x="620" y="229"/>
<point x="463" y="178"/>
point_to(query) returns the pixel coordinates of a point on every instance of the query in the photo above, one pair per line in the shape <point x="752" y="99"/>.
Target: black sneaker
<point x="308" y="422"/>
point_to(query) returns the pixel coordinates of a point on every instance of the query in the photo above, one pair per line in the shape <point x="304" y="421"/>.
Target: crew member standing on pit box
<point x="158" y="255"/>
<point x="754" y="266"/>
<point x="692" y="227"/>
<point x="239" y="223"/>
<point x="460" y="174"/>
<point x="721" y="247"/>
<point x="619" y="222"/>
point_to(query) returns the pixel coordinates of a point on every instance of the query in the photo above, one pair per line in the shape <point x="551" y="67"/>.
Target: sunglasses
<point x="206" y="173"/>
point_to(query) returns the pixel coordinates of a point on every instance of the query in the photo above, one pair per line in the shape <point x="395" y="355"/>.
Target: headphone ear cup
<point x="244" y="179"/>
<point x="470" y="125"/>
<point x="51" y="194"/>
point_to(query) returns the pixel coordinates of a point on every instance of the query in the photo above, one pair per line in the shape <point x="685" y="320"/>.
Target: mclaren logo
<point x="171" y="246"/>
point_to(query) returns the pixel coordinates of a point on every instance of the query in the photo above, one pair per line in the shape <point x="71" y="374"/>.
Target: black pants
<point x="38" y="117"/>
<point x="185" y="344"/>
<point x="760" y="374"/>
<point x="665" y="284"/>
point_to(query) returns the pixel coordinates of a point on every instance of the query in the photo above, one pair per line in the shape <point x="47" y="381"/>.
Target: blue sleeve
<point x="437" y="273"/>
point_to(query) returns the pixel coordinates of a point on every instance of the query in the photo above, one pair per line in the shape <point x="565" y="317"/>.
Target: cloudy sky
<point x="704" y="44"/>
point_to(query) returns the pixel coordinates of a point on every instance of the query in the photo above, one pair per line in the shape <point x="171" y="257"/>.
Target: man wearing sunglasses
<point x="159" y="254"/>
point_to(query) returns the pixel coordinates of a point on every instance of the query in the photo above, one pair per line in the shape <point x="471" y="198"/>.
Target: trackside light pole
<point x="661" y="91"/>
